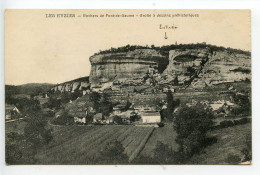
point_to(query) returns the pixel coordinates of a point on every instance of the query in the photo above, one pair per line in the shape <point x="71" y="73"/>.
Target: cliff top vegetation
<point x="164" y="50"/>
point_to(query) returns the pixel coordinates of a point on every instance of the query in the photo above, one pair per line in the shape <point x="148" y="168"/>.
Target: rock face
<point x="186" y="64"/>
<point x="132" y="64"/>
<point x="196" y="67"/>
<point x="224" y="67"/>
<point x="204" y="67"/>
<point x="74" y="85"/>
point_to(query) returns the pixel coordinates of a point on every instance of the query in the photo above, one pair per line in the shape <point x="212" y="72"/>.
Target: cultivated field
<point x="82" y="144"/>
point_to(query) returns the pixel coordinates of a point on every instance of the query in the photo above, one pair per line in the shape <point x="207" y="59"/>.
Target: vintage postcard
<point x="128" y="87"/>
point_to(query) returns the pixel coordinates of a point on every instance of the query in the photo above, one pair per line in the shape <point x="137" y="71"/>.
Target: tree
<point x="134" y="117"/>
<point x="26" y="106"/>
<point x="244" y="103"/>
<point x="22" y="148"/>
<point x="95" y="97"/>
<point x="191" y="71"/>
<point x="36" y="131"/>
<point x="176" y="81"/>
<point x="192" y="125"/>
<point x="105" y="106"/>
<point x="74" y="95"/>
<point x="118" y="120"/>
<point x="64" y="119"/>
<point x="170" y="106"/>
<point x="65" y="98"/>
<point x="53" y="103"/>
<point x="128" y="104"/>
<point x="113" y="153"/>
<point x="163" y="113"/>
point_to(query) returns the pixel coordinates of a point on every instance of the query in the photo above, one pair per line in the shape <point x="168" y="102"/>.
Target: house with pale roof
<point x="151" y="117"/>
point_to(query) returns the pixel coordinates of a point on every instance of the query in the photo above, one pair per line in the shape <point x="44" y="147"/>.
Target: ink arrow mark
<point x="165" y="37"/>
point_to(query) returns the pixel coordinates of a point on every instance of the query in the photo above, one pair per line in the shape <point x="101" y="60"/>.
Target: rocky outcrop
<point x="74" y="85"/>
<point x="224" y="67"/>
<point x="184" y="65"/>
<point x="132" y="64"/>
<point x="204" y="67"/>
<point x="195" y="66"/>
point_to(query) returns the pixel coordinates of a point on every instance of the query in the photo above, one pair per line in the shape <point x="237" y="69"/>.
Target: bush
<point x="53" y="103"/>
<point x="163" y="154"/>
<point x="64" y="119"/>
<point x="134" y="117"/>
<point x="113" y="153"/>
<point x="226" y="124"/>
<point x="118" y="120"/>
<point x="160" y="124"/>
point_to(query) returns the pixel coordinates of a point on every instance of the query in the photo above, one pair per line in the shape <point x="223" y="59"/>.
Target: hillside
<point x="27" y="89"/>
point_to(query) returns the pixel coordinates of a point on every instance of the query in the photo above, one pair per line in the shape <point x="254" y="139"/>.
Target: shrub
<point x="64" y="119"/>
<point x="134" y="117"/>
<point x="113" y="153"/>
<point x="226" y="124"/>
<point x="160" y="124"/>
<point x="118" y="120"/>
<point x="163" y="154"/>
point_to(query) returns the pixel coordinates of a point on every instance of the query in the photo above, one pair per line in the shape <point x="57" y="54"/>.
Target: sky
<point x="55" y="50"/>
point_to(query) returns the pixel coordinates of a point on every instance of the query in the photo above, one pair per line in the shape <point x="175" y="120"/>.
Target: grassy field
<point x="165" y="135"/>
<point x="230" y="141"/>
<point x="82" y="144"/>
<point x="16" y="126"/>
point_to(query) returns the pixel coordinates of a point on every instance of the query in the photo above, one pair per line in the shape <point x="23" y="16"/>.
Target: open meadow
<point x="230" y="141"/>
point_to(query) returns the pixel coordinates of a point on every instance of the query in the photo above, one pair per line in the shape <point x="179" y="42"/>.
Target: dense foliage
<point x="113" y="153"/>
<point x="165" y="49"/>
<point x="32" y="89"/>
<point x="22" y="147"/>
<point x="192" y="125"/>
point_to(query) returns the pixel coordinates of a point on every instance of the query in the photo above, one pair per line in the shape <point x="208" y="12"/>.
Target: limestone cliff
<point x="205" y="67"/>
<point x="132" y="64"/>
<point x="201" y="66"/>
<point x="74" y="85"/>
<point x="194" y="65"/>
<point x="225" y="67"/>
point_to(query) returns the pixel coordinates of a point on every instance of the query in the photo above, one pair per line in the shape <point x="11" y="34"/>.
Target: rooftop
<point x="151" y="114"/>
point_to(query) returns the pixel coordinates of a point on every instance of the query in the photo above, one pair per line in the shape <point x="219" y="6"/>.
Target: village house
<point x="11" y="112"/>
<point x="80" y="119"/>
<point x="80" y="116"/>
<point x="97" y="118"/>
<point x="151" y="117"/>
<point x="110" y="120"/>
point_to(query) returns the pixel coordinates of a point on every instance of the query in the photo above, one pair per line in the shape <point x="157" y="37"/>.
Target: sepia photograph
<point x="128" y="87"/>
